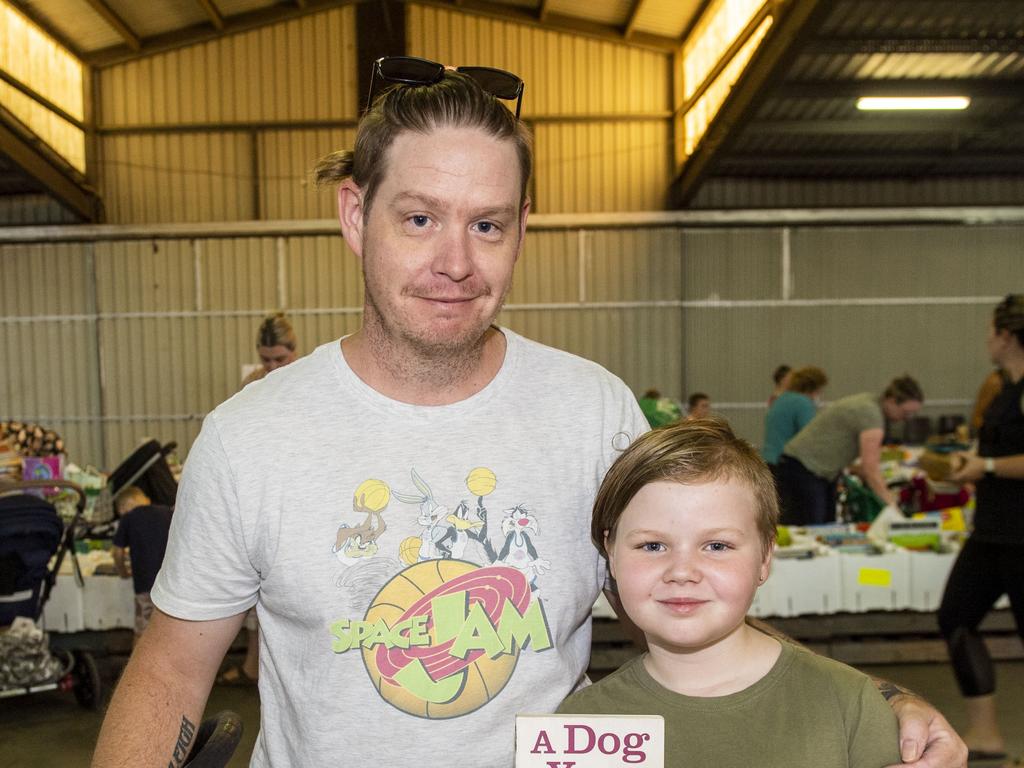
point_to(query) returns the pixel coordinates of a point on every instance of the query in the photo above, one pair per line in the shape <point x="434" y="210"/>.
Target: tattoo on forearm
<point x="185" y="734"/>
<point x="890" y="690"/>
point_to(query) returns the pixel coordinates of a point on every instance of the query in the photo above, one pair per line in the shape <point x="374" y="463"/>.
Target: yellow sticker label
<point x="874" y="577"/>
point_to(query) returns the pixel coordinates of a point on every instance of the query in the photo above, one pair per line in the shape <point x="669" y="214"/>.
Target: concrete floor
<point x="49" y="729"/>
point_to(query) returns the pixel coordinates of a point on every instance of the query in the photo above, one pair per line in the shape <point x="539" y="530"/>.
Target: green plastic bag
<point x="860" y="504"/>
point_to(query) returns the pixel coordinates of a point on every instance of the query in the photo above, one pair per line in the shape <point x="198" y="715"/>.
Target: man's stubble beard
<point x="408" y="356"/>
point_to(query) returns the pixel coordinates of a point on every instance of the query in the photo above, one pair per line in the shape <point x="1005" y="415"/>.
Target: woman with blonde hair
<point x="276" y="345"/>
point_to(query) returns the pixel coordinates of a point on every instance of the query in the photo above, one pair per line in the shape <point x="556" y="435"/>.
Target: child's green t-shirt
<point x="807" y="711"/>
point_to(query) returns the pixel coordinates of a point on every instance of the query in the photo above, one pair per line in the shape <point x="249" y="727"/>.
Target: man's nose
<point x="455" y="255"/>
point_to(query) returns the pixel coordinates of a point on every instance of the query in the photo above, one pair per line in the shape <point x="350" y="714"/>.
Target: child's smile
<point x="687" y="560"/>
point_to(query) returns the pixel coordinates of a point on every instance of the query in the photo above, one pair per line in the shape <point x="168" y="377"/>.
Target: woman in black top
<point x="992" y="561"/>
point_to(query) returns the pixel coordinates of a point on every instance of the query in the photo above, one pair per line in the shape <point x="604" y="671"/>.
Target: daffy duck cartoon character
<point x="462" y="528"/>
<point x="518" y="550"/>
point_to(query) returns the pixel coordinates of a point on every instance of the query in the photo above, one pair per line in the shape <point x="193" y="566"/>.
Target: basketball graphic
<point x="409" y="549"/>
<point x="481" y="481"/>
<point x="372" y="494"/>
<point x="455" y="684"/>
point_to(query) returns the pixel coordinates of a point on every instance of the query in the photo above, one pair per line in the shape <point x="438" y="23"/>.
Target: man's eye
<point x="419" y="220"/>
<point x="487" y="228"/>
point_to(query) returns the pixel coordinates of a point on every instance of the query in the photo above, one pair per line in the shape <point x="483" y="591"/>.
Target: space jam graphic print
<point x="458" y="606"/>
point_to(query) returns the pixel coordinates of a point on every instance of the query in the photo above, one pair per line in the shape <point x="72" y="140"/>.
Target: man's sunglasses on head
<point x="410" y="70"/>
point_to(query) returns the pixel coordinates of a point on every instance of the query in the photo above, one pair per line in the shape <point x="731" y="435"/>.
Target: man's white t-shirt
<point x="421" y="573"/>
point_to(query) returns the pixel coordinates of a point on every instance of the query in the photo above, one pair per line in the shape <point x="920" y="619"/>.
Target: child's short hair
<point x="130" y="498"/>
<point x="687" y="452"/>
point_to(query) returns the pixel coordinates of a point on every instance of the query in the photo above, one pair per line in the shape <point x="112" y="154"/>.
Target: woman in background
<point x="276" y="345"/>
<point x="791" y="411"/>
<point x="992" y="561"/>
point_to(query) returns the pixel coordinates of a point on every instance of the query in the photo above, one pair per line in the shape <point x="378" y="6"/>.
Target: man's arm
<point x="871" y="464"/>
<point x="119" y="562"/>
<point x="927" y="740"/>
<point x="156" y="710"/>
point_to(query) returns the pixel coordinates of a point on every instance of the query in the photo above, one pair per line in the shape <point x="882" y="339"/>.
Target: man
<point x="698" y="406"/>
<point x="429" y="575"/>
<point x="142" y="536"/>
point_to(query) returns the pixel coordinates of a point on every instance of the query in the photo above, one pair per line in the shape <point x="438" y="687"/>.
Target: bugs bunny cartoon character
<point x="433" y="518"/>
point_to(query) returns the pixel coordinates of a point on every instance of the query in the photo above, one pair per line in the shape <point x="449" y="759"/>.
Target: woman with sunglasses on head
<point x="992" y="561"/>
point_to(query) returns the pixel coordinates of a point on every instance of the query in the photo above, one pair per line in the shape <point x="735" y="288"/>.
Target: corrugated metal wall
<point x="111" y="341"/>
<point x="229" y="129"/>
<point x="33" y="209"/>
<point x="600" y="111"/>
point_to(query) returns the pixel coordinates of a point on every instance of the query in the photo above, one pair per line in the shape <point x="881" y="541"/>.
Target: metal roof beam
<point x="880" y="124"/>
<point x="214" y="15"/>
<point x="866" y="44"/>
<point x="631" y="17"/>
<point x="201" y="33"/>
<point x="794" y="22"/>
<point x="755" y="162"/>
<point x="117" y="23"/>
<point x="556" y="22"/>
<point x="46" y="168"/>
<point x="994" y="87"/>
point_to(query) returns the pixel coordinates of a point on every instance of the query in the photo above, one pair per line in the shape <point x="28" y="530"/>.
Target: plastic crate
<point x="875" y="582"/>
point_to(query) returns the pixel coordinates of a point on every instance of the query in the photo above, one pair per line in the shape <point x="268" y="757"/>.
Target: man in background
<point x="141" y="536"/>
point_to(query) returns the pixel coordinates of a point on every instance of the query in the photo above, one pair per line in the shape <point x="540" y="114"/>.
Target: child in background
<point x="142" y="531"/>
<point x="686" y="518"/>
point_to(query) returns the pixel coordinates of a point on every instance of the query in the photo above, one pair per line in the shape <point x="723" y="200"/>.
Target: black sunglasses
<point x="410" y="70"/>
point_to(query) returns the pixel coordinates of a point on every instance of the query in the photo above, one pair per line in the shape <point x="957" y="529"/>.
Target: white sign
<point x="590" y="741"/>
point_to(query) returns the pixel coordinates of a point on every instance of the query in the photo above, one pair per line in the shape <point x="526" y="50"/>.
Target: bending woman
<point x="853" y="426"/>
<point x="992" y="560"/>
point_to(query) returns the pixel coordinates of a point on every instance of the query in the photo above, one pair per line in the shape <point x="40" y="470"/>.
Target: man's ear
<point x="350" y="214"/>
<point x="524" y="212"/>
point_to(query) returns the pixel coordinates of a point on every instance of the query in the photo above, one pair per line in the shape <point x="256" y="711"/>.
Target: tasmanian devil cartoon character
<point x="360" y="540"/>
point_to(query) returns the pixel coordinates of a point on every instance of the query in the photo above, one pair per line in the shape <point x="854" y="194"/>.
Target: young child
<point x="142" y="531"/>
<point x="686" y="518"/>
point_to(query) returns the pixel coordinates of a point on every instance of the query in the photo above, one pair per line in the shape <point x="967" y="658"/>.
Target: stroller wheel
<point x="87" y="685"/>
<point x="216" y="741"/>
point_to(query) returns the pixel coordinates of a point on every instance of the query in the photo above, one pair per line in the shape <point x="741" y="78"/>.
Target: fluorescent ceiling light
<point x="912" y="102"/>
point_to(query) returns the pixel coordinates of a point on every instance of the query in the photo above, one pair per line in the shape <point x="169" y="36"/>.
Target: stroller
<point x="31" y="534"/>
